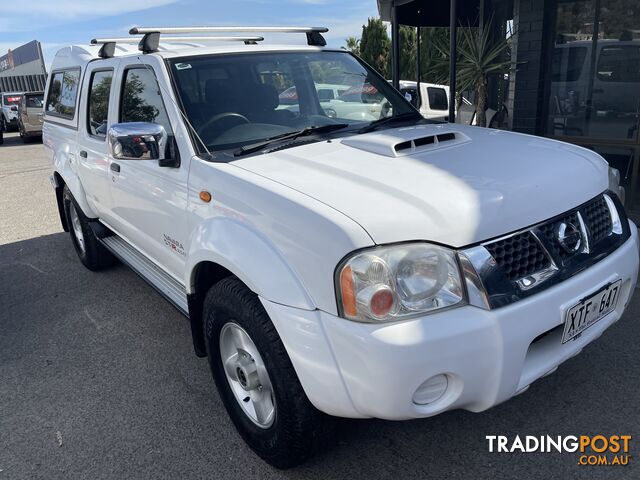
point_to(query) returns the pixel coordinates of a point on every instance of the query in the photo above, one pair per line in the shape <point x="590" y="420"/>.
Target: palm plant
<point x="478" y="57"/>
<point x="353" y="45"/>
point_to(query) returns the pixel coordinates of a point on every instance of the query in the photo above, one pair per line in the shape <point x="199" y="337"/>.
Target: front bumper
<point x="361" y="370"/>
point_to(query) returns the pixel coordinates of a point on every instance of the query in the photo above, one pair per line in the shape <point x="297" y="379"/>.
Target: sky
<point x="56" y="23"/>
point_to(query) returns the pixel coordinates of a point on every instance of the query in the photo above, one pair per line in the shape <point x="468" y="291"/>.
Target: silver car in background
<point x="30" y="115"/>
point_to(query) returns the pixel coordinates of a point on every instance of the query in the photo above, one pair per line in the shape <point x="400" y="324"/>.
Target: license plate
<point x="588" y="311"/>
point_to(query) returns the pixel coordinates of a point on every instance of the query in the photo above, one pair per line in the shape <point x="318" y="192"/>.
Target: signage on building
<point x="27" y="53"/>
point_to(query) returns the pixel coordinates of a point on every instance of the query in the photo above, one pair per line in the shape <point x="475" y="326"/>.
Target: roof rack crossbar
<point x="191" y="39"/>
<point x="314" y="34"/>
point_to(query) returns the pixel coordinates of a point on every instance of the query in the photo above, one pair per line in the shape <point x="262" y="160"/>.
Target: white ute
<point x="393" y="268"/>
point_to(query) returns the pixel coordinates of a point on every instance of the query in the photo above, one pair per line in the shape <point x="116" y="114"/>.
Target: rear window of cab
<point x="63" y="93"/>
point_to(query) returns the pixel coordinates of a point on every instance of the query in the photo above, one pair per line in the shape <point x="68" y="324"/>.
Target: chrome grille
<point x="519" y="255"/>
<point x="598" y="219"/>
<point x="523" y="263"/>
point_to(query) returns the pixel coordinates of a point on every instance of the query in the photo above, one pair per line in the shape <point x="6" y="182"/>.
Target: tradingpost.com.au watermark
<point x="590" y="449"/>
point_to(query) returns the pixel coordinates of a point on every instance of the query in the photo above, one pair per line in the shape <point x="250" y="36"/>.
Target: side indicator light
<point x="205" y="196"/>
<point x="347" y="293"/>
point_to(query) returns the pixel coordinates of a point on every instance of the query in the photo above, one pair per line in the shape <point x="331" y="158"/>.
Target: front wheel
<point x="91" y="252"/>
<point x="256" y="380"/>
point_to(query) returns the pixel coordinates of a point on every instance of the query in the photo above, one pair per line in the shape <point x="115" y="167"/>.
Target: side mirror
<point x="139" y="141"/>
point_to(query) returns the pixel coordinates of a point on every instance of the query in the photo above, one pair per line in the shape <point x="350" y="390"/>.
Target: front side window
<point x="141" y="99"/>
<point x="411" y="95"/>
<point x="99" y="91"/>
<point x="262" y="95"/>
<point x="63" y="93"/>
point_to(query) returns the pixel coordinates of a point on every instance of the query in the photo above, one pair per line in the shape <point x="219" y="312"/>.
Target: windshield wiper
<point x="402" y="117"/>
<point x="256" y="147"/>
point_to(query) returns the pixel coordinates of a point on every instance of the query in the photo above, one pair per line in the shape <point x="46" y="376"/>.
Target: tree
<point x="99" y="105"/>
<point x="478" y="57"/>
<point x="429" y="54"/>
<point x="408" y="52"/>
<point x="133" y="103"/>
<point x="353" y="45"/>
<point x="375" y="46"/>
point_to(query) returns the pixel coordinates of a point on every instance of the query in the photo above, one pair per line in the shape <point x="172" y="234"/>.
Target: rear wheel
<point x="256" y="380"/>
<point x="91" y="252"/>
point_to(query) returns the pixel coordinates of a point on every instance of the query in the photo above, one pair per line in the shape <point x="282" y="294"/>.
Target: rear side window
<point x="99" y="90"/>
<point x="141" y="99"/>
<point x="437" y="98"/>
<point x="63" y="92"/>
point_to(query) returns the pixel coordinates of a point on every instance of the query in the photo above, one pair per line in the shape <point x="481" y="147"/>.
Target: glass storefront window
<point x="595" y="78"/>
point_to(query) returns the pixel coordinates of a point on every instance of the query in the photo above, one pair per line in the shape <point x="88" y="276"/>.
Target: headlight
<point x="400" y="281"/>
<point x="614" y="183"/>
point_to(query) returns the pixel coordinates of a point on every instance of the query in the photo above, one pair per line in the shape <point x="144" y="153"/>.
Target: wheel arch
<point x="203" y="276"/>
<point x="222" y="247"/>
<point x="58" y="186"/>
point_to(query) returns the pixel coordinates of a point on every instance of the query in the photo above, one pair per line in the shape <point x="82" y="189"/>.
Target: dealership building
<point x="23" y="69"/>
<point x="576" y="69"/>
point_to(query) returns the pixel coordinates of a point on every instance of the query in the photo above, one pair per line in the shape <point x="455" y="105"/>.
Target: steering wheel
<point x="235" y="117"/>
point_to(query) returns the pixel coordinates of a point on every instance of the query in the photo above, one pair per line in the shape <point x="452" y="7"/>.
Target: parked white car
<point x="432" y="100"/>
<point x="346" y="102"/>
<point x="394" y="268"/>
<point x="9" y="110"/>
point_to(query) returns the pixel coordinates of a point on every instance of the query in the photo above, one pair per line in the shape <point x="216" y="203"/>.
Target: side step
<point x="166" y="285"/>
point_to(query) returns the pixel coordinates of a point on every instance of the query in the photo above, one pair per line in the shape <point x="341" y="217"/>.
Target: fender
<point x="250" y="256"/>
<point x="62" y="161"/>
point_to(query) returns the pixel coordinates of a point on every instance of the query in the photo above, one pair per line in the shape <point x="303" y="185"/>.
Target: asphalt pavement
<point x="98" y="380"/>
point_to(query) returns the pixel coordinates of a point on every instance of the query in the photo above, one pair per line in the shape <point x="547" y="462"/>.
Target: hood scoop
<point x="400" y="144"/>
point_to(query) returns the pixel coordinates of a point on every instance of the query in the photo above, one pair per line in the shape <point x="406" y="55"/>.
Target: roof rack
<point x="108" y="44"/>
<point x="151" y="39"/>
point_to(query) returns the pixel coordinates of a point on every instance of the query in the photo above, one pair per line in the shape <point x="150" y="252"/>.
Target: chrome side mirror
<point x="137" y="141"/>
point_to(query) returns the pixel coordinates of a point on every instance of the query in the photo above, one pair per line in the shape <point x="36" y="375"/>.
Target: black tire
<point x="93" y="255"/>
<point x="298" y="430"/>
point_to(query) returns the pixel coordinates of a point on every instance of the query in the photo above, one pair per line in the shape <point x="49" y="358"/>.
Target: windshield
<point x="12" y="99"/>
<point x="240" y="99"/>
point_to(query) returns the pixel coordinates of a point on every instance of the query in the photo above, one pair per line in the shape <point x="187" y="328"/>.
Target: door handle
<point x="114" y="167"/>
<point x="83" y="154"/>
